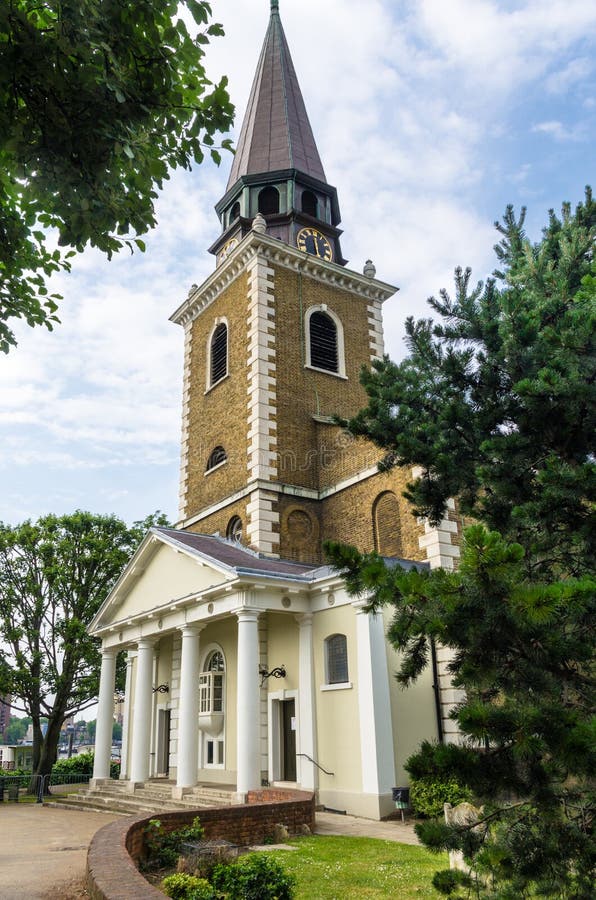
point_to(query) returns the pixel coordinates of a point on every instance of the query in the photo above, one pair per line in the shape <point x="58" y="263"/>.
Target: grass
<point x="352" y="868"/>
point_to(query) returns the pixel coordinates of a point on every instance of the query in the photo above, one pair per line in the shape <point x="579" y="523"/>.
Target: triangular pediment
<point x="161" y="573"/>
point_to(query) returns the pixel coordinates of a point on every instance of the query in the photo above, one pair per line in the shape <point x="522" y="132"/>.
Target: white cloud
<point x="559" y="131"/>
<point x="420" y="109"/>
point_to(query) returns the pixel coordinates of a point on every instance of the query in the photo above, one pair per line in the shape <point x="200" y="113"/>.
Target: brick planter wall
<point x="116" y="849"/>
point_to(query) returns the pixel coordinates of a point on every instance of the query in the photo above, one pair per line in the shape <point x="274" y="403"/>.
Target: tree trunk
<point x="47" y="757"/>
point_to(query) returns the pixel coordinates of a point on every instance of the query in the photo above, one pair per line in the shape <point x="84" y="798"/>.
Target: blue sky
<point x="430" y="117"/>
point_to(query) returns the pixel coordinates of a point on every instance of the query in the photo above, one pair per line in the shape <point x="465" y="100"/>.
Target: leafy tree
<point x="495" y="403"/>
<point x="16" y="730"/>
<point x="54" y="575"/>
<point x="99" y="100"/>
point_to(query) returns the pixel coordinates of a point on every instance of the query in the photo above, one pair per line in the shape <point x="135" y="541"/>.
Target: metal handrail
<point x="315" y="763"/>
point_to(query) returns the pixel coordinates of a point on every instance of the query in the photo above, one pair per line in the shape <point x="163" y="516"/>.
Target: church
<point x="247" y="661"/>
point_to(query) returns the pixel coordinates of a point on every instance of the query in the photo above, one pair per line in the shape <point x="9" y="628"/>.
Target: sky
<point x="430" y="117"/>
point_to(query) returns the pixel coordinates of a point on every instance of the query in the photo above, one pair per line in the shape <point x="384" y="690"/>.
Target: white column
<point x="306" y="704"/>
<point x="376" y="733"/>
<point x="105" y="714"/>
<point x="248" y="772"/>
<point x="141" y="719"/>
<point x="188" y="708"/>
<point x="124" y="764"/>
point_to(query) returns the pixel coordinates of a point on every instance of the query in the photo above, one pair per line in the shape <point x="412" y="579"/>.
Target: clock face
<point x="227" y="248"/>
<point x="309" y="240"/>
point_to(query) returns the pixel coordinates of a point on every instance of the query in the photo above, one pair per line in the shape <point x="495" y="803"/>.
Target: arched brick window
<point x="387" y="525"/>
<point x="218" y="368"/>
<point x="323" y="342"/>
<point x="234" y="529"/>
<point x="269" y="201"/>
<point x="217" y="456"/>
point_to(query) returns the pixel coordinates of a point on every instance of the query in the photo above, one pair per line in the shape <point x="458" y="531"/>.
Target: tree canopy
<point x="99" y="100"/>
<point x="54" y="575"/>
<point x="496" y="404"/>
<point x="495" y="401"/>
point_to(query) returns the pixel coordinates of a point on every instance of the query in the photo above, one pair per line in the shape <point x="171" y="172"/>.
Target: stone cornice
<point x="277" y="253"/>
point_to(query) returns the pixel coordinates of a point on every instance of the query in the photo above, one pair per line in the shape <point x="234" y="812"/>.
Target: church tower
<point x="275" y="340"/>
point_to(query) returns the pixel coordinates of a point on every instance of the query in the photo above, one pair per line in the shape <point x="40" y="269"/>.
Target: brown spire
<point x="276" y="133"/>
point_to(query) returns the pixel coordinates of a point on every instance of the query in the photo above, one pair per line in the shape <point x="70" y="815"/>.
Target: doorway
<point x="288" y="740"/>
<point x="163" y="742"/>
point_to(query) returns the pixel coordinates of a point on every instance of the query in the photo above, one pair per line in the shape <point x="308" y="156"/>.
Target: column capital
<point x="304" y="619"/>
<point x="191" y="629"/>
<point x="361" y="607"/>
<point x="146" y="643"/>
<point x="247" y="614"/>
<point x="109" y="652"/>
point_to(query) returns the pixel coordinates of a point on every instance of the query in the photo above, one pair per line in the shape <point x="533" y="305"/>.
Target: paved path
<point x="43" y="850"/>
<point x="391" y="830"/>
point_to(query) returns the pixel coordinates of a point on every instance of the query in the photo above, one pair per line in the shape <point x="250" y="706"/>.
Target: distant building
<point x="5" y="704"/>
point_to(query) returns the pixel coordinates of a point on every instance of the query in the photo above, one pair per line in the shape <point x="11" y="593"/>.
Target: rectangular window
<point x="211" y="692"/>
<point x="337" y="659"/>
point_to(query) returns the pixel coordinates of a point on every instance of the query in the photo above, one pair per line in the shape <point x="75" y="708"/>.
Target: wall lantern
<point x="278" y="672"/>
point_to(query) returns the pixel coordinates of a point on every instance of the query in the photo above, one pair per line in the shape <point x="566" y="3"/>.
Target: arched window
<point x="336" y="659"/>
<point x="235" y="212"/>
<point x="269" y="201"/>
<point x="216" y="458"/>
<point x="234" y="529"/>
<point x="387" y="525"/>
<point x="309" y="203"/>
<point x="323" y="342"/>
<point x="212" y="681"/>
<point x="219" y="353"/>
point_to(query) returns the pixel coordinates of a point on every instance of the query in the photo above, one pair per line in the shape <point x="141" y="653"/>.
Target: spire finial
<point x="274" y="6"/>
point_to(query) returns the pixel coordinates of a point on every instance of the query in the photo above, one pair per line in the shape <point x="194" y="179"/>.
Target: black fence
<point x="11" y="786"/>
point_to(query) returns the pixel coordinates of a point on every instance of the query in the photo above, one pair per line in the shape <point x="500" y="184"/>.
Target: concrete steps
<point x="151" y="798"/>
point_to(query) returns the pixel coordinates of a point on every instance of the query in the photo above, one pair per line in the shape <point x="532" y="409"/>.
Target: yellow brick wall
<point x="218" y="521"/>
<point x="348" y="515"/>
<point x="303" y="393"/>
<point x="218" y="417"/>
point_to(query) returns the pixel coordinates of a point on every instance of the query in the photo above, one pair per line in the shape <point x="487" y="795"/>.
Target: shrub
<point x="81" y="764"/>
<point x="187" y="887"/>
<point x="162" y="847"/>
<point x="427" y="796"/>
<point x="255" y="877"/>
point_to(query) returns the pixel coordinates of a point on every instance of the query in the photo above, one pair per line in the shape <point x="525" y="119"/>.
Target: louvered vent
<point x="323" y="342"/>
<point x="216" y="457"/>
<point x="219" y="353"/>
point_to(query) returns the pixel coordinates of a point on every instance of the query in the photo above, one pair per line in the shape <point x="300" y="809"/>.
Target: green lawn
<point x="347" y="868"/>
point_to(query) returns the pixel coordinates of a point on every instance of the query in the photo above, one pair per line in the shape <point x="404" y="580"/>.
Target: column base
<point x="97" y="782"/>
<point x="239" y="798"/>
<point x="132" y="786"/>
<point x="178" y="793"/>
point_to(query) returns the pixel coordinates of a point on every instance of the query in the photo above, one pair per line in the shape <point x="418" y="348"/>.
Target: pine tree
<point x="496" y="404"/>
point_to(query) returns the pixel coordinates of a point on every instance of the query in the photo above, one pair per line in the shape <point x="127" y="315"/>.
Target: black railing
<point x="11" y="785"/>
<point x="315" y="763"/>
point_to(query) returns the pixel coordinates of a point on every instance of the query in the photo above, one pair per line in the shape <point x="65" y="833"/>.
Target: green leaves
<point x="54" y="575"/>
<point x="496" y="400"/>
<point x="97" y="105"/>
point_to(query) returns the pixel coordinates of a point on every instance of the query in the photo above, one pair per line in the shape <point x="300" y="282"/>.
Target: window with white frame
<point x="324" y="341"/>
<point x="211" y="684"/>
<point x="336" y="659"/>
<point x="218" y="354"/>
